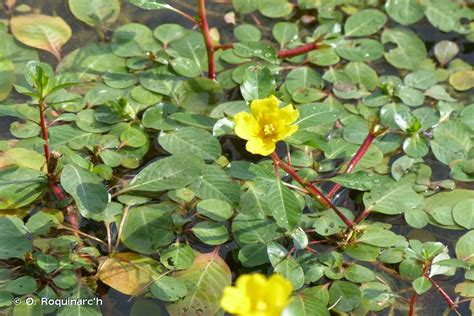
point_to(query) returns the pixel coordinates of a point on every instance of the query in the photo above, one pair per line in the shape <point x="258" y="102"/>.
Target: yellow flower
<point x="255" y="295"/>
<point x="266" y="125"/>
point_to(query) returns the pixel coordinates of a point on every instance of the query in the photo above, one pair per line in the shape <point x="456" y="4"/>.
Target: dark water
<point x="116" y="303"/>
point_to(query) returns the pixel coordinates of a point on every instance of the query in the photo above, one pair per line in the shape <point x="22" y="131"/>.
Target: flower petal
<point x="280" y="293"/>
<point x="285" y="132"/>
<point x="246" y="127"/>
<point x="263" y="107"/>
<point x="260" y="146"/>
<point x="288" y="114"/>
<point x="235" y="301"/>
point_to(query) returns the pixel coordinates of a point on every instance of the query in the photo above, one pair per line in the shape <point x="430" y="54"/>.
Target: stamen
<point x="268" y="129"/>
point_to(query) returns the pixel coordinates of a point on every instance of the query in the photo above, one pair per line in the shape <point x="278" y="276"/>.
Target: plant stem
<point x="44" y="132"/>
<point x="122" y="222"/>
<point x="284" y="53"/>
<point x="300" y="50"/>
<point x="223" y="46"/>
<point x="361" y="216"/>
<point x="109" y="237"/>
<point x="81" y="233"/>
<point x="440" y="290"/>
<point x="356" y="159"/>
<point x="207" y="39"/>
<point x="312" y="189"/>
<point x="185" y="15"/>
<point x="412" y="304"/>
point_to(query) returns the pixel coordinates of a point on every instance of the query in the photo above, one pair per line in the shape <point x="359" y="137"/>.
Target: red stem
<point x="312" y="189"/>
<point x="223" y="46"/>
<point x="207" y="40"/>
<point x="445" y="295"/>
<point x="413" y="304"/>
<point x="303" y="49"/>
<point x="44" y="132"/>
<point x="53" y="185"/>
<point x="362" y="216"/>
<point x="355" y="160"/>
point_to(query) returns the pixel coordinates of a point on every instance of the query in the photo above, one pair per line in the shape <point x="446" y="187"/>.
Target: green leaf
<point x="258" y="83"/>
<point x="146" y="228"/>
<point x="247" y="33"/>
<point x="47" y="263"/>
<point x="86" y="120"/>
<point x="360" y="72"/>
<point x="359" y="180"/>
<point x="274" y="8"/>
<point x="65" y="279"/>
<point x="410" y="96"/>
<point x="416" y="146"/>
<point x="98" y="14"/>
<point x="13" y="235"/>
<point x="21" y="286"/>
<point x="359" y="274"/>
<point x="191" y="46"/>
<point x="217" y="210"/>
<point x="410" y="50"/>
<point x="253" y="255"/>
<point x="378" y="237"/>
<point x="291" y="269"/>
<point x="205" y="281"/>
<point x="284" y="206"/>
<point x="416" y="218"/>
<point x="303" y="77"/>
<point x="305" y="304"/>
<point x="20" y="186"/>
<point x="177" y="257"/>
<point x="394" y="198"/>
<point x="314" y="114"/>
<point x="346" y="294"/>
<point x="211" y="233"/>
<point x="167" y="173"/>
<point x="451" y="141"/>
<point x="169" y="32"/>
<point x="214" y="183"/>
<point x="86" y="189"/>
<point x="44" y="32"/>
<point x="252" y="229"/>
<point x="186" y="67"/>
<point x="132" y="39"/>
<point x="7" y="77"/>
<point x="360" y="49"/>
<point x="421" y="285"/>
<point x="323" y="56"/>
<point x="150" y="4"/>
<point x="168" y="289"/>
<point x="405" y="12"/>
<point x="365" y="22"/>
<point x="447" y="15"/>
<point x="190" y="141"/>
<point x="284" y="32"/>
<point x="465" y="247"/>
<point x="90" y="61"/>
<point x="463" y="213"/>
<point x="256" y="49"/>
<point x="421" y="79"/>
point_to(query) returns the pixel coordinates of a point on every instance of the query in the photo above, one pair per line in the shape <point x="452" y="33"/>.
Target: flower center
<point x="268" y="129"/>
<point x="261" y="306"/>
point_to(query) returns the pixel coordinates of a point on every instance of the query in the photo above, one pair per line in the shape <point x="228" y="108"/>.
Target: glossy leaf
<point x="41" y="31"/>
